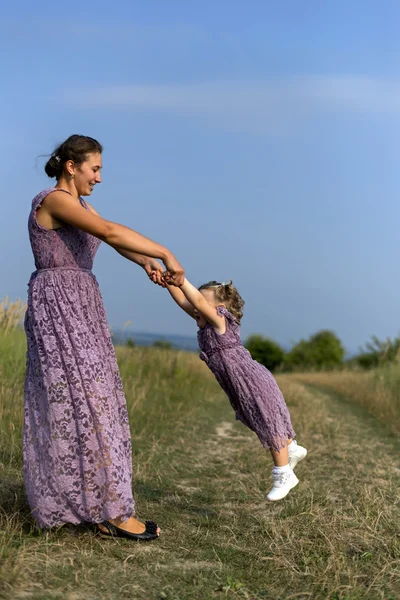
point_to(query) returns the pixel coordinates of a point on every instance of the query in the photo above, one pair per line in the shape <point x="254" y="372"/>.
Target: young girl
<point x="251" y="388"/>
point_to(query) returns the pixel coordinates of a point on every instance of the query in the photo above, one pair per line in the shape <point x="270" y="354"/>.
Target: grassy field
<point x="203" y="477"/>
<point x="377" y="391"/>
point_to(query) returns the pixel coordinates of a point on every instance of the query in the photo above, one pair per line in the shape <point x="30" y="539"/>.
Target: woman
<point x="77" y="448"/>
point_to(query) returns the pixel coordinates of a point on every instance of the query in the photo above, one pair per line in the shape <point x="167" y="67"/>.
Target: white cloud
<point x="269" y="106"/>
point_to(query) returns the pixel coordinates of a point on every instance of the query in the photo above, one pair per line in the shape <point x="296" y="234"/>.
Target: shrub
<point x="265" y="351"/>
<point x="323" y="350"/>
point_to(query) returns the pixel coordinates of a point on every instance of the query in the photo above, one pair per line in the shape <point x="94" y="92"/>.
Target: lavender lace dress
<point x="252" y="390"/>
<point x="77" y="448"/>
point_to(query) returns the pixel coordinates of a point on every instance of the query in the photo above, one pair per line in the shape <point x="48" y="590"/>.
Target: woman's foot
<point x="132" y="525"/>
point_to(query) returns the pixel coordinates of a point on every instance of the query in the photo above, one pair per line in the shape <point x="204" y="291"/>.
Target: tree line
<point x="321" y="351"/>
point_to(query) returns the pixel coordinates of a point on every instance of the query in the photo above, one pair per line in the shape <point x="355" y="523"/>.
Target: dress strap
<point x="222" y="310"/>
<point x="84" y="203"/>
<point x="42" y="195"/>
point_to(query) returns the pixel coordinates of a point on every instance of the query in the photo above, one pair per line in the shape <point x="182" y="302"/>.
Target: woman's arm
<point x="63" y="207"/>
<point x="152" y="267"/>
<point x="147" y="263"/>
<point x="139" y="259"/>
<point x="197" y="300"/>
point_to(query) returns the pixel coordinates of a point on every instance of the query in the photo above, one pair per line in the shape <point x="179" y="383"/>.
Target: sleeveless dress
<point x="76" y="442"/>
<point x="251" y="388"/>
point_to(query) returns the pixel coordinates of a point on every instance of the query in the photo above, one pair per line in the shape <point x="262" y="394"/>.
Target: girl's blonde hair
<point x="228" y="294"/>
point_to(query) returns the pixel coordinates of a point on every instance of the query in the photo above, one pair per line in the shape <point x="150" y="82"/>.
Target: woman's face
<point x="87" y="175"/>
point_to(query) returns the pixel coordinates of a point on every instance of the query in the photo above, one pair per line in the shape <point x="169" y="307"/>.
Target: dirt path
<point x="337" y="534"/>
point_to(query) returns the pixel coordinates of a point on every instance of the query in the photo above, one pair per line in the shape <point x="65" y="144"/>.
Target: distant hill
<point x="182" y="342"/>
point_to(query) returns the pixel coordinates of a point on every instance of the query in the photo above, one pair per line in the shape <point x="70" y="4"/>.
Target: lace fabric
<point x="250" y="387"/>
<point x="77" y="447"/>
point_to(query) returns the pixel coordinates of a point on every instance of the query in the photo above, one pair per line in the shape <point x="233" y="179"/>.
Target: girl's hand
<point x="175" y="274"/>
<point x="155" y="272"/>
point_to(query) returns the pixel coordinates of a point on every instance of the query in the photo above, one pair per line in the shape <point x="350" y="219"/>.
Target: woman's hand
<point x="155" y="271"/>
<point x="175" y="274"/>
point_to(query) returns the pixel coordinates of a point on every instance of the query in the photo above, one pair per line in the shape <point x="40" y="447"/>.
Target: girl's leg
<point x="280" y="458"/>
<point x="296" y="453"/>
<point x="282" y="475"/>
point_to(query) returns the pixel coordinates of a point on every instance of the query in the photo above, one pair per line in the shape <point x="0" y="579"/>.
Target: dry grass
<point x="11" y="314"/>
<point x="203" y="477"/>
<point x="377" y="391"/>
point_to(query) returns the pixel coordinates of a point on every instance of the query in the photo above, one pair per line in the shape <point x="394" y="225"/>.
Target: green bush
<point x="323" y="350"/>
<point x="265" y="351"/>
<point x="377" y="353"/>
<point x="164" y="344"/>
<point x="130" y="342"/>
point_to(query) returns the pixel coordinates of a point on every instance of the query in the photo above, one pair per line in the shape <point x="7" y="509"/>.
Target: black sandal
<point x="150" y="533"/>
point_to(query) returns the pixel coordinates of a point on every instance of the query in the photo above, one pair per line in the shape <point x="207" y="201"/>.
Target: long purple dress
<point x="77" y="447"/>
<point x="252" y="390"/>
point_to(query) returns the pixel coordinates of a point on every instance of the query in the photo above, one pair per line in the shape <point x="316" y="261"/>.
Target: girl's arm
<point x="63" y="207"/>
<point x="180" y="299"/>
<point x="202" y="305"/>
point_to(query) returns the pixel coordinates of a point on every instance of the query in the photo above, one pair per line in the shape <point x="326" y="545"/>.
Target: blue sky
<point x="257" y="140"/>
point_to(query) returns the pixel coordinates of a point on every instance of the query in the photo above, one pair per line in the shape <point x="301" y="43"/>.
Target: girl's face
<point x="87" y="174"/>
<point x="209" y="295"/>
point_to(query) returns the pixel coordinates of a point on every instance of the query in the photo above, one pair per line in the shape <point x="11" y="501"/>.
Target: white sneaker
<point x="296" y="455"/>
<point x="282" y="484"/>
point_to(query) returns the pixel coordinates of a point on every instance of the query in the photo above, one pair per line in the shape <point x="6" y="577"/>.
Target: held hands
<point x="174" y="275"/>
<point x="155" y="272"/>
